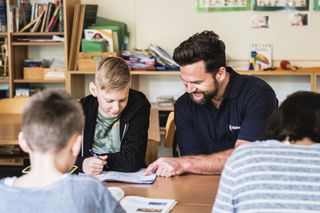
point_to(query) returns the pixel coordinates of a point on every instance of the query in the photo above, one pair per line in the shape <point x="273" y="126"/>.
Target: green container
<point x="93" y="45"/>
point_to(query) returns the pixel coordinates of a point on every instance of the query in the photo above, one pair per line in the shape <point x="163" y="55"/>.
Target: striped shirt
<point x="270" y="176"/>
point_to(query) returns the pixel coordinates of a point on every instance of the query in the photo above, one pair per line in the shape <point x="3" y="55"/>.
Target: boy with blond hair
<point x="52" y="125"/>
<point x="116" y="121"/>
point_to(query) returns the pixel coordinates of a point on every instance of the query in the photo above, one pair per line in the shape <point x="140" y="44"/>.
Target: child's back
<point x="70" y="194"/>
<point x="52" y="125"/>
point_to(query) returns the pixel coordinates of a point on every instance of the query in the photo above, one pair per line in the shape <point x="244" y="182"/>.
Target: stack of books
<point x="165" y="100"/>
<point x="36" y="17"/>
<point x="139" y="59"/>
<point x="3" y="18"/>
<point x="115" y="33"/>
<point x="164" y="60"/>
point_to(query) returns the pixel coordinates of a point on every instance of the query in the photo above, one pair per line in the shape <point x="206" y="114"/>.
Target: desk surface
<point x="194" y="193"/>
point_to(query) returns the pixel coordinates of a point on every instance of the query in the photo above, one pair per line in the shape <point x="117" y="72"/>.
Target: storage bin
<point x="88" y="61"/>
<point x="33" y="73"/>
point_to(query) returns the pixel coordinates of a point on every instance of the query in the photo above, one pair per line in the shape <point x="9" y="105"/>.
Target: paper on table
<point x="127" y="177"/>
<point x="116" y="192"/>
<point x="144" y="204"/>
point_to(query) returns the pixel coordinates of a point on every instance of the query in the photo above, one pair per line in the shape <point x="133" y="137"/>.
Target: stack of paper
<point x="162" y="56"/>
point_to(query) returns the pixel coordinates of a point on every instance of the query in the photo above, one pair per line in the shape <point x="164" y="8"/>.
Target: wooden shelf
<point x="162" y="108"/>
<point x="53" y="43"/>
<point x="38" y="34"/>
<point x="4" y="81"/>
<point x="275" y="73"/>
<point x="39" y="81"/>
<point x="137" y="72"/>
<point x="3" y="34"/>
<point x="132" y="72"/>
<point x="82" y="72"/>
<point x="280" y="72"/>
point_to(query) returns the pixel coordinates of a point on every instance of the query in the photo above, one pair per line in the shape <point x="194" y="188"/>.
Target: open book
<point x="127" y="177"/>
<point x="142" y="204"/>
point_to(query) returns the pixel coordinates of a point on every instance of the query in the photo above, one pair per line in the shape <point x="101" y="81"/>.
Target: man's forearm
<point x="205" y="164"/>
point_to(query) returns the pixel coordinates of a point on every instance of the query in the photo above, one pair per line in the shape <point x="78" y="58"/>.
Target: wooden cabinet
<point x="20" y="44"/>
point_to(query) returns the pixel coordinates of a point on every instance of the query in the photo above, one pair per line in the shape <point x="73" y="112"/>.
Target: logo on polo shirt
<point x="234" y="127"/>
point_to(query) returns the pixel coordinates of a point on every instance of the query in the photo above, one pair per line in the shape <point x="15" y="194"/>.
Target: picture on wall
<point x="259" y="21"/>
<point x="222" y="5"/>
<point x="316" y="5"/>
<point x="267" y="5"/>
<point x="298" y="19"/>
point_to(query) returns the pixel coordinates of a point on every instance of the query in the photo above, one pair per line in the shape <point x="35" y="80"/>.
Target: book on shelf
<point x="42" y="17"/>
<point x="38" y="22"/>
<point x="29" y="25"/>
<point x="120" y="29"/>
<point x="12" y="18"/>
<point x="51" y="9"/>
<point x="24" y="10"/>
<point x="162" y="56"/>
<point x="127" y="177"/>
<point x="167" y="100"/>
<point x="3" y="18"/>
<point x="61" y="19"/>
<point x="53" y="19"/>
<point x="102" y="34"/>
<point x="260" y="56"/>
<point x="90" y="15"/>
<point x="43" y="23"/>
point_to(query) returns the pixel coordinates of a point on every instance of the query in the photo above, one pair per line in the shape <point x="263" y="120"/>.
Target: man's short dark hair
<point x="50" y="118"/>
<point x="298" y="117"/>
<point x="204" y="46"/>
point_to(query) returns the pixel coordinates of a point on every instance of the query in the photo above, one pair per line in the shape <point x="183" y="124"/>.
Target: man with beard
<point x="220" y="110"/>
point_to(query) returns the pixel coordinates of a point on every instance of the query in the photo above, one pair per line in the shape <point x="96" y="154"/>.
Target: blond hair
<point x="50" y="119"/>
<point x="112" y="73"/>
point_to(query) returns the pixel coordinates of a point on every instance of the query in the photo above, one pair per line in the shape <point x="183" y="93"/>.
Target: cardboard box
<point x="54" y="74"/>
<point x="33" y="73"/>
<point x="88" y="61"/>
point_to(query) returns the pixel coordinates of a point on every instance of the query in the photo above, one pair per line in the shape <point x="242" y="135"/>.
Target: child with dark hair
<point x="282" y="173"/>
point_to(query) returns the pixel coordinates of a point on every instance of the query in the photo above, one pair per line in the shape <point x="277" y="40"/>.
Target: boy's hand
<point x="94" y="166"/>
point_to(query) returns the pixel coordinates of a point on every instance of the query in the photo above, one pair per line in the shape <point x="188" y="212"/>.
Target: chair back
<point x="170" y="131"/>
<point x="13" y="105"/>
<point x="11" y="113"/>
<point x="153" y="137"/>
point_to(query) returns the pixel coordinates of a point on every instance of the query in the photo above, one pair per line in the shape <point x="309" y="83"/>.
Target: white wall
<point x="168" y="22"/>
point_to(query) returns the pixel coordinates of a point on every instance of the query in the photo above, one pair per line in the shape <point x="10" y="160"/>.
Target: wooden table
<point x="194" y="193"/>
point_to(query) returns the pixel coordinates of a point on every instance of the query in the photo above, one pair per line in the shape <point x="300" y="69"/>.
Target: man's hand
<point x="94" y="166"/>
<point x="166" y="167"/>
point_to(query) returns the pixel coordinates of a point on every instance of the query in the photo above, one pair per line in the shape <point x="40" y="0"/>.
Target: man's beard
<point x="208" y="96"/>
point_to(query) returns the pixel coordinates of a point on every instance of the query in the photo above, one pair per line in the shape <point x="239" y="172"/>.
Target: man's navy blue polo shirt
<point x="203" y="129"/>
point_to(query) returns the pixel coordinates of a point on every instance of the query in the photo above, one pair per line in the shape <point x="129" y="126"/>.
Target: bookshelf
<point x="24" y="45"/>
<point x="77" y="86"/>
<point x="4" y="78"/>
